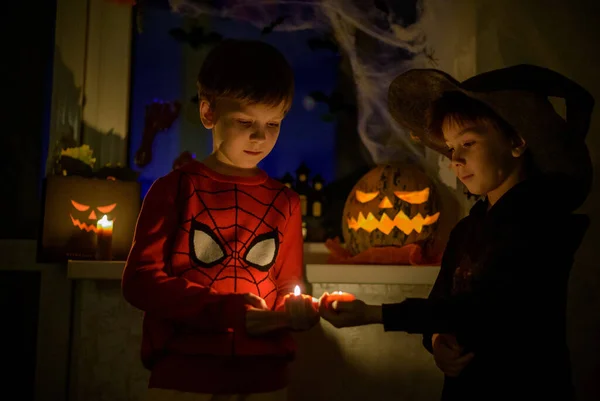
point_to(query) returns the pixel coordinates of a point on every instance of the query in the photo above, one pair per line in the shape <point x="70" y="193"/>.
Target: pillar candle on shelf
<point x="104" y="231"/>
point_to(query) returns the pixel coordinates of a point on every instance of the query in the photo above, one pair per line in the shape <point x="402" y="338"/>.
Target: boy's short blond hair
<point x="247" y="70"/>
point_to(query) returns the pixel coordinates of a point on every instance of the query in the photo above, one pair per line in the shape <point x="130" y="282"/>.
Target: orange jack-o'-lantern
<point x="74" y="205"/>
<point x="390" y="206"/>
<point x="86" y="217"/>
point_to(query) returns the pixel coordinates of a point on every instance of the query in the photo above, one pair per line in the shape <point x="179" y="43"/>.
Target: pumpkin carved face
<point x="86" y="217"/>
<point x="73" y="206"/>
<point x="390" y="206"/>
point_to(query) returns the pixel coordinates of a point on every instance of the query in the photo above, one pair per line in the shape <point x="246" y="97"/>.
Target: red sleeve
<point x="148" y="287"/>
<point x="291" y="255"/>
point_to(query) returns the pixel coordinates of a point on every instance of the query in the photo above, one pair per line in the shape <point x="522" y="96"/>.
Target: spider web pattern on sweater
<point x="237" y="219"/>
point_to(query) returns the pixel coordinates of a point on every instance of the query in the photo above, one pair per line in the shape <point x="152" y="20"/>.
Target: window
<point x="165" y="69"/>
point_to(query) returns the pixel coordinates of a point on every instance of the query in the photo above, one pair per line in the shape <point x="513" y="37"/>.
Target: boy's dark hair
<point x="461" y="109"/>
<point x="247" y="70"/>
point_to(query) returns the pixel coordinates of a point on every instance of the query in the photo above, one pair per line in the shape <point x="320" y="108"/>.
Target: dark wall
<point x="19" y="305"/>
<point x="27" y="54"/>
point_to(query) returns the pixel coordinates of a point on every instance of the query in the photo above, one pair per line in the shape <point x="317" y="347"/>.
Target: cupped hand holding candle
<point x="330" y="301"/>
<point x="344" y="310"/>
<point x="301" y="310"/>
<point x="299" y="298"/>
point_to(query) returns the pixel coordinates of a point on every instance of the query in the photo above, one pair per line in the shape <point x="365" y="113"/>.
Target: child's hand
<point x="349" y="314"/>
<point x="260" y="319"/>
<point x="448" y="354"/>
<point x="302" y="314"/>
<point x="255" y="301"/>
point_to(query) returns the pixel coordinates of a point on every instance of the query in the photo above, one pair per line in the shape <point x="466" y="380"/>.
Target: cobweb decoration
<point x="370" y="33"/>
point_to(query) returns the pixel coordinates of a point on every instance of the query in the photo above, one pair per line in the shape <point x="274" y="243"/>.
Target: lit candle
<point x="297" y="298"/>
<point x="328" y="299"/>
<point x="104" y="231"/>
<point x="105" y="225"/>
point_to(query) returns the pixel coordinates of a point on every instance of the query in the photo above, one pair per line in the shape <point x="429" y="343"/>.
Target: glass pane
<point x="166" y="70"/>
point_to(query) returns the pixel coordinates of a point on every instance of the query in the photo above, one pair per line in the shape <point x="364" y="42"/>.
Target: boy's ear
<point x="207" y="114"/>
<point x="519" y="147"/>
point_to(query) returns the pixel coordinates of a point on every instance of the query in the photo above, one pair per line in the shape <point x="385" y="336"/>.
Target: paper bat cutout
<point x="322" y="43"/>
<point x="196" y="37"/>
<point x="159" y="117"/>
<point x="335" y="102"/>
<point x="269" y="28"/>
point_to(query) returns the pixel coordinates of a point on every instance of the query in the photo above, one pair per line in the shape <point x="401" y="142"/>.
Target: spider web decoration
<point x="373" y="36"/>
<point x="234" y="236"/>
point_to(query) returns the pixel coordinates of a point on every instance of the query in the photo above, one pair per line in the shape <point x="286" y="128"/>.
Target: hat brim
<point x="410" y="98"/>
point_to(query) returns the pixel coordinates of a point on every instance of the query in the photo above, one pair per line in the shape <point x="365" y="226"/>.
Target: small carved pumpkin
<point x="86" y="217"/>
<point x="390" y="206"/>
<point x="72" y="208"/>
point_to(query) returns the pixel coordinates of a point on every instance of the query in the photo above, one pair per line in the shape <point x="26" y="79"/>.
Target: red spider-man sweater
<point x="202" y="240"/>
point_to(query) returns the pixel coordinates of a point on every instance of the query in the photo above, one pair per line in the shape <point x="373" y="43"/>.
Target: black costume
<point x="502" y="290"/>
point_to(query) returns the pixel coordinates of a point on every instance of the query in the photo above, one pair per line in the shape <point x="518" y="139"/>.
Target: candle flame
<point x="297" y="290"/>
<point x="104" y="222"/>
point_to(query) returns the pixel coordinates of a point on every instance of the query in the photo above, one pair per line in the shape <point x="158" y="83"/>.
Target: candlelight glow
<point x="297" y="290"/>
<point x="104" y="222"/>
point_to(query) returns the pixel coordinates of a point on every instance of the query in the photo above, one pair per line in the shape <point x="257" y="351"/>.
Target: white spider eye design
<point x="262" y="251"/>
<point x="205" y="248"/>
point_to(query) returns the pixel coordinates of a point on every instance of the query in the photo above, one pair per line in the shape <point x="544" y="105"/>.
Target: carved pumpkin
<point x="72" y="208"/>
<point x="86" y="217"/>
<point x="390" y="206"/>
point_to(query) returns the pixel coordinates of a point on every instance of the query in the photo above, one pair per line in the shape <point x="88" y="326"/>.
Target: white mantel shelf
<point x="371" y="274"/>
<point x="95" y="270"/>
<point x="113" y="270"/>
<point x="317" y="271"/>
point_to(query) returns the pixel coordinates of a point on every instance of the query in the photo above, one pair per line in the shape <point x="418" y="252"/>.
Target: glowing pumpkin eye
<point x="414" y="197"/>
<point x="79" y="206"/>
<point x="364" y="197"/>
<point x="106" y="209"/>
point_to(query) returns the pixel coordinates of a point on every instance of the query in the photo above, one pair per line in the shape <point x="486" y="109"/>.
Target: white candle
<point x="104" y="231"/>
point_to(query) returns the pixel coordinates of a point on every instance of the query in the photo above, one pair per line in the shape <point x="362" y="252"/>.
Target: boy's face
<point x="483" y="158"/>
<point x="243" y="134"/>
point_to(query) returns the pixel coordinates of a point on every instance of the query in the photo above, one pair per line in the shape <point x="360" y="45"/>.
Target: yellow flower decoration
<point x="83" y="153"/>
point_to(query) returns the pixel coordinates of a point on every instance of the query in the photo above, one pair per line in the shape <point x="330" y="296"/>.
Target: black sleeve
<point x="441" y="288"/>
<point x="519" y="277"/>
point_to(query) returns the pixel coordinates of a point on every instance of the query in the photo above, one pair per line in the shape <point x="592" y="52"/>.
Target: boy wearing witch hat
<point x="495" y="318"/>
